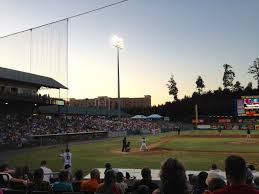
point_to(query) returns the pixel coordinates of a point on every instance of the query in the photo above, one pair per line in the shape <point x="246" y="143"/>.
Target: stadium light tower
<point x="118" y="43"/>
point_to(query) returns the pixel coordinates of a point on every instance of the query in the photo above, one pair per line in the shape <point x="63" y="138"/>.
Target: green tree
<point x="254" y="70"/>
<point x="250" y="85"/>
<point x="228" y="76"/>
<point x="173" y="90"/>
<point x="200" y="84"/>
<point x="237" y="87"/>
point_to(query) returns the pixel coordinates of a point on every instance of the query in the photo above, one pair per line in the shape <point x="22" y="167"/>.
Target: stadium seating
<point x="11" y="191"/>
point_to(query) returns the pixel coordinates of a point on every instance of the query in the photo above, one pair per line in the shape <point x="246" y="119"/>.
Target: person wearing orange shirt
<point x="92" y="184"/>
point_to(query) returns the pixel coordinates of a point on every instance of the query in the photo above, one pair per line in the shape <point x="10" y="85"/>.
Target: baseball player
<point x="67" y="158"/>
<point x="143" y="146"/>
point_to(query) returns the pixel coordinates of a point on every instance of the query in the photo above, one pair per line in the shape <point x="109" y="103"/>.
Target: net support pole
<point x="67" y="63"/>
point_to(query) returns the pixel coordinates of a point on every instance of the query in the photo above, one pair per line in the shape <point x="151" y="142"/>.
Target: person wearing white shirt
<point x="47" y="172"/>
<point x="67" y="158"/>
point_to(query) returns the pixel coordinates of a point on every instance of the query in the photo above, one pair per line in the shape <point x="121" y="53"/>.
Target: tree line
<point x="221" y="101"/>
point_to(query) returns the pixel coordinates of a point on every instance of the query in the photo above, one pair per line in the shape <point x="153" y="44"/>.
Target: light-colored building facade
<point x="112" y="103"/>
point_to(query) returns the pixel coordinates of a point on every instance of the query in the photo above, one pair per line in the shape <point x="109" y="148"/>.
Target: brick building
<point x="111" y="103"/>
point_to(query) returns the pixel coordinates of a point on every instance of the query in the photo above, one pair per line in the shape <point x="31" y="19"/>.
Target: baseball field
<point x="197" y="150"/>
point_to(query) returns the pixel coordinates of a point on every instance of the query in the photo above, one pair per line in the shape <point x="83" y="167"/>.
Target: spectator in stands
<point x="18" y="175"/>
<point x="173" y="178"/>
<point x="256" y="182"/>
<point x="142" y="189"/>
<point x="109" y="186"/>
<point x="249" y="177"/>
<point x="27" y="175"/>
<point x="235" y="167"/>
<point x="120" y="181"/>
<point x="146" y="180"/>
<point x="129" y="180"/>
<point x="211" y="176"/>
<point x="216" y="184"/>
<point x="107" y="166"/>
<point x="4" y="169"/>
<point x="63" y="184"/>
<point x="38" y="184"/>
<point x="193" y="179"/>
<point x="78" y="180"/>
<point x="214" y="168"/>
<point x="201" y="183"/>
<point x="48" y="174"/>
<point x="92" y="184"/>
<point x="252" y="168"/>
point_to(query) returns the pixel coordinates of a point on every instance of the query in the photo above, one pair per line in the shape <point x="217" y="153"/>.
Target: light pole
<point x="118" y="43"/>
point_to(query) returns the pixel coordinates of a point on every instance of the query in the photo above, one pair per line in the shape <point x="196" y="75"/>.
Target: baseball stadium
<point x="65" y="128"/>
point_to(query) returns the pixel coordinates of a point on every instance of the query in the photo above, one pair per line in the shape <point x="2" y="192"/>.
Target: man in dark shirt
<point x="236" y="172"/>
<point x="248" y="134"/>
<point x="146" y="180"/>
<point x="124" y="143"/>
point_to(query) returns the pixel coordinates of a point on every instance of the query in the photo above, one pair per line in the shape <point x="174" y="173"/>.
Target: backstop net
<point x="42" y="51"/>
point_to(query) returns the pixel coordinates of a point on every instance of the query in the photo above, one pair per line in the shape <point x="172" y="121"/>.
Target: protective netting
<point x="41" y="51"/>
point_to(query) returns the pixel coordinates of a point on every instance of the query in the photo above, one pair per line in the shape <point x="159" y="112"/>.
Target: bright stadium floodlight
<point x="118" y="43"/>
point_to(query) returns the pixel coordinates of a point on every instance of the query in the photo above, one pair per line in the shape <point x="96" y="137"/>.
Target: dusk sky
<point x="185" y="38"/>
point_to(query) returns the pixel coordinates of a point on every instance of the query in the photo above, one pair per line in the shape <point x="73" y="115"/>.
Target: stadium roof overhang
<point x="29" y="78"/>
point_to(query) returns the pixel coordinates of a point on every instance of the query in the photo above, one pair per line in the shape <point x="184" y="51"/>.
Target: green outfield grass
<point x="88" y="155"/>
<point x="231" y="145"/>
<point x="224" y="132"/>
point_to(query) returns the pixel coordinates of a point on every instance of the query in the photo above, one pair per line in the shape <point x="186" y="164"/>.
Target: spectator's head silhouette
<point x="214" y="167"/>
<point x="146" y="173"/>
<point x="173" y="177"/>
<point x="215" y="184"/>
<point x="63" y="176"/>
<point x="119" y="177"/>
<point x="236" y="171"/>
<point x="79" y="175"/>
<point x="38" y="175"/>
<point x="43" y="163"/>
<point x="95" y="174"/>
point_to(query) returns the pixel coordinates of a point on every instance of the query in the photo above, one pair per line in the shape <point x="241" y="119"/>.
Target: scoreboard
<point x="248" y="106"/>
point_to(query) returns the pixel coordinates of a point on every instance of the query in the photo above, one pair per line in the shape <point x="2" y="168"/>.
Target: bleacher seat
<point x="39" y="192"/>
<point x="65" y="192"/>
<point x="11" y="191"/>
<point x="72" y="193"/>
<point x="87" y="192"/>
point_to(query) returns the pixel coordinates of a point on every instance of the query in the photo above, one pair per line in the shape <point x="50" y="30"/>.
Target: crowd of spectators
<point x="15" y="128"/>
<point x="173" y="180"/>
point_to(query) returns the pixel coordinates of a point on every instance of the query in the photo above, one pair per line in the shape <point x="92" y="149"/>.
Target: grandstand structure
<point x="19" y="91"/>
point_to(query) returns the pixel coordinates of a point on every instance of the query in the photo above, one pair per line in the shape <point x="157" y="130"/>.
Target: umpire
<point x="124" y="144"/>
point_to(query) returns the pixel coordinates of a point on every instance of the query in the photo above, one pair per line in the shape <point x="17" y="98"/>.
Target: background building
<point x="112" y="103"/>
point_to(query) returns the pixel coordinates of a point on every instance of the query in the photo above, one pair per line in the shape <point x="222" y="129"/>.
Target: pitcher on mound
<point x="143" y="146"/>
